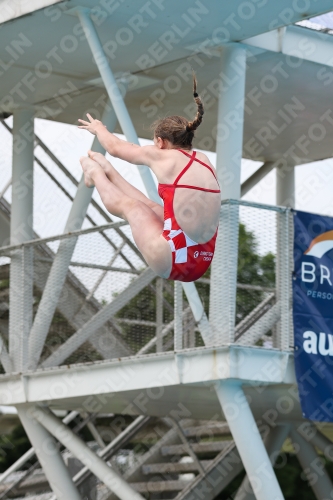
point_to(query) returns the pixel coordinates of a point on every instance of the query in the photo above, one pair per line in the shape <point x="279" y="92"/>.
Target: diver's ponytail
<point x="191" y="126"/>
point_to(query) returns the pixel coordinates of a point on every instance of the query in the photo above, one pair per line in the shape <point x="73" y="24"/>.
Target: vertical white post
<point x="285" y="186"/>
<point x="313" y="467"/>
<point x="229" y="142"/>
<point x="59" y="269"/>
<point x="248" y="441"/>
<point x="21" y="229"/>
<point x="159" y="314"/>
<point x="178" y="316"/>
<point x="49" y="456"/>
<point x="285" y="196"/>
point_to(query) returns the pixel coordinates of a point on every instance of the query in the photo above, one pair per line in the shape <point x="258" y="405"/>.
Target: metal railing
<point x="147" y="314"/>
<point x="122" y="305"/>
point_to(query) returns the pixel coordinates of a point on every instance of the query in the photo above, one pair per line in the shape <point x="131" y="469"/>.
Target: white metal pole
<point x="77" y="447"/>
<point x="285" y="186"/>
<point x="4" y="357"/>
<point x="178" y="316"/>
<point x="21" y="229"/>
<point x="115" y="95"/>
<point x="159" y="314"/>
<point x="48" y="455"/>
<point x="102" y="453"/>
<point x="285" y="196"/>
<point x="312" y="466"/>
<point x="273" y="443"/>
<point x="258" y="175"/>
<point x="30" y="453"/>
<point x="229" y="142"/>
<point x="131" y="135"/>
<point x="6" y="186"/>
<point x="248" y="440"/>
<point x="198" y="311"/>
<point x="99" y="319"/>
<point x="94" y="432"/>
<point x="59" y="269"/>
<point x="322" y="443"/>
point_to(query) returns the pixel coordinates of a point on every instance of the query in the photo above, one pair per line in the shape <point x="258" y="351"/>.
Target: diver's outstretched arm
<point x="133" y="153"/>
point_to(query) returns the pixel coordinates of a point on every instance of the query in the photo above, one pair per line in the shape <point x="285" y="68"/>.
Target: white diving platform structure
<point x="211" y="358"/>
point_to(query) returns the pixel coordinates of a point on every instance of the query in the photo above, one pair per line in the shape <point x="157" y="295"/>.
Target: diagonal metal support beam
<point x="254" y="315"/>
<point x="40" y="143"/>
<point x="6" y="186"/>
<point x="262" y="326"/>
<point x="94" y="432"/>
<point x="176" y="424"/>
<point x="273" y="443"/>
<point x="4" y="356"/>
<point x="30" y="453"/>
<point x="59" y="269"/>
<point x="248" y="440"/>
<point x="114" y="93"/>
<point x="106" y="453"/>
<point x="79" y="449"/>
<point x="48" y="455"/>
<point x="258" y="175"/>
<point x="99" y="319"/>
<point x="317" y="438"/>
<point x="312" y="466"/>
<point x="223" y="469"/>
<point x="199" y="314"/>
<point x="167" y="328"/>
<point x="93" y="202"/>
<point x="27" y="475"/>
<point x="126" y="124"/>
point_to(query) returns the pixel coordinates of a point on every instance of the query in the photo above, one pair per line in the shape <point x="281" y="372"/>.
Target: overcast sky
<point x="314" y="181"/>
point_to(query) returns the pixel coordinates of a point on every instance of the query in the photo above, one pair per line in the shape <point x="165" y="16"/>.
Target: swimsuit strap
<point x="198" y="188"/>
<point x="192" y="158"/>
<point x="199" y="161"/>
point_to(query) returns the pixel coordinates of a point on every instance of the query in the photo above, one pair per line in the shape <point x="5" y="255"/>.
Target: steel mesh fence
<point x="107" y="304"/>
<point x="255" y="271"/>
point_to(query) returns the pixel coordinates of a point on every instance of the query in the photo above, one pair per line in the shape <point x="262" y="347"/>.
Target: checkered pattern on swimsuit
<point x="179" y="242"/>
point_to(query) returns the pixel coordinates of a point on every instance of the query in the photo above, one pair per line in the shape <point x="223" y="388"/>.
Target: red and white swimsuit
<point x="190" y="260"/>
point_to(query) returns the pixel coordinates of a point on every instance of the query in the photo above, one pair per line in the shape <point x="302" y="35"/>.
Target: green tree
<point x="12" y="447"/>
<point x="253" y="269"/>
<point x="290" y="477"/>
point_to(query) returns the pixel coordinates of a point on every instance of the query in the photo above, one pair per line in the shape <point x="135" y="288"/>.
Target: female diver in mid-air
<point x="178" y="241"/>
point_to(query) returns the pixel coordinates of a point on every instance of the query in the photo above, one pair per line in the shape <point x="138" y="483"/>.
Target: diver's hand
<point x="93" y="126"/>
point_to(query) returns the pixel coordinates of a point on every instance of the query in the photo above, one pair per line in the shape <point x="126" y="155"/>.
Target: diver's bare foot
<point x="88" y="166"/>
<point x="102" y="161"/>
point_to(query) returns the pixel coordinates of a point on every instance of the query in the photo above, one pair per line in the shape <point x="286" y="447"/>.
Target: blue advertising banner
<point x="313" y="314"/>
